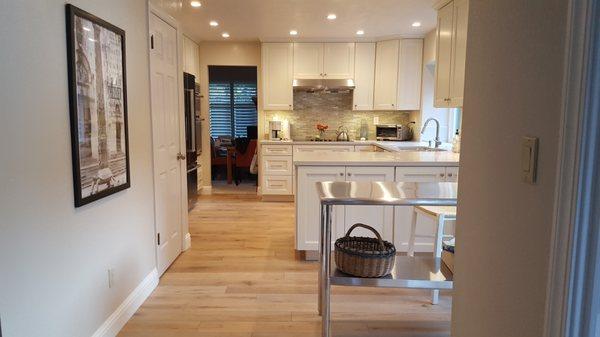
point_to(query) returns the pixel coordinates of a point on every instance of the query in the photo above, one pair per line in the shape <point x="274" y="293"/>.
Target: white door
<point x="338" y="60"/>
<point x="166" y="141"/>
<point x="410" y="71"/>
<point x="403" y="214"/>
<point x="443" y="56"/>
<point x="381" y="218"/>
<point x="364" y="76"/>
<point x="308" y="60"/>
<point x="308" y="206"/>
<point x="459" y="52"/>
<point x="277" y="69"/>
<point x="386" y="75"/>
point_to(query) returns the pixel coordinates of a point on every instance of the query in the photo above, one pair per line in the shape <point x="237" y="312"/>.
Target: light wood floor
<point x="241" y="279"/>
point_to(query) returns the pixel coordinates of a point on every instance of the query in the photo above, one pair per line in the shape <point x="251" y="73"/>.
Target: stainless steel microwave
<point x="386" y="132"/>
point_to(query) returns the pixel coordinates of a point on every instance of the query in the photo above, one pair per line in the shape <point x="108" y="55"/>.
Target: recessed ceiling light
<point x="293" y="32"/>
<point x="416" y="24"/>
<point x="195" y="4"/>
<point x="331" y="16"/>
<point x="213" y="23"/>
<point x="360" y="32"/>
<point x="225" y="35"/>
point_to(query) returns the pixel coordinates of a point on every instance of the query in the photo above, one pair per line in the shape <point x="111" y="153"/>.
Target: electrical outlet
<point x="376" y="120"/>
<point x="111" y="277"/>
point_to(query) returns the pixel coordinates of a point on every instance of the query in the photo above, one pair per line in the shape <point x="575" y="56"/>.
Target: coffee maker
<point x="274" y="130"/>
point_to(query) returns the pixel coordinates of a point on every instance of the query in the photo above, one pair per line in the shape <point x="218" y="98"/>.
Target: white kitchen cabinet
<point x="308" y="205"/>
<point x="381" y="218"/>
<point x="403" y="214"/>
<point x="277" y="70"/>
<point x="443" y="56"/>
<point x="277" y="185"/>
<point x="276" y="150"/>
<point x="452" y="174"/>
<point x="410" y="71"/>
<point x="191" y="57"/>
<point x="308" y="60"/>
<point x="386" y="75"/>
<point x="451" y="48"/>
<point x="276" y="170"/>
<point x="277" y="165"/>
<point x="323" y="60"/>
<point x="364" y="76"/>
<point x="323" y="148"/>
<point x="459" y="52"/>
<point x="338" y="60"/>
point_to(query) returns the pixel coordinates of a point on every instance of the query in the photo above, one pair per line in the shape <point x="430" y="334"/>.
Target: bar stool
<point x="440" y="214"/>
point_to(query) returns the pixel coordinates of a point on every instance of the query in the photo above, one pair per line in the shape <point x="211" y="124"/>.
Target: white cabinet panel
<point x="308" y="60"/>
<point x="379" y="217"/>
<point x="277" y="185"/>
<point x="338" y="60"/>
<point x="410" y="71"/>
<point x="365" y="148"/>
<point x="459" y="52"/>
<point x="276" y="150"/>
<point x="364" y="76"/>
<point x="308" y="205"/>
<point x="443" y="56"/>
<point x="323" y="148"/>
<point x="191" y="55"/>
<point x="386" y="75"/>
<point x="277" y="69"/>
<point x="277" y="165"/>
<point x="403" y="214"/>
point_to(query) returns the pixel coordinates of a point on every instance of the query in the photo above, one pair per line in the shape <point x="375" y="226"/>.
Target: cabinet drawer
<point x="277" y="165"/>
<point x="420" y="174"/>
<point x="278" y="185"/>
<point x="276" y="150"/>
<point x="452" y="174"/>
<point x="323" y="148"/>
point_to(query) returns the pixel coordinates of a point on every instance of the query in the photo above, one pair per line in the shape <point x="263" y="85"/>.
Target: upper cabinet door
<point x="308" y="60"/>
<point x="386" y="75"/>
<point x="459" y="52"/>
<point x="191" y="57"/>
<point x="443" y="56"/>
<point x="338" y="60"/>
<point x="364" y="76"/>
<point x="277" y="70"/>
<point x="410" y="70"/>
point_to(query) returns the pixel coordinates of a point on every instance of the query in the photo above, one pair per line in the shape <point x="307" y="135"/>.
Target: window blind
<point x="231" y="108"/>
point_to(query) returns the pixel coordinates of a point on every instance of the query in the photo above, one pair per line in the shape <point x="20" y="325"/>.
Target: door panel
<point x="277" y="70"/>
<point x="364" y="76"/>
<point x="386" y="75"/>
<point x="338" y="60"/>
<point x="443" y="57"/>
<point x="166" y="141"/>
<point x="378" y="217"/>
<point x="308" y="60"/>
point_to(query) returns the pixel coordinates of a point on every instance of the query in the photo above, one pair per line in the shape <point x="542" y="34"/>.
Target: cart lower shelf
<point x="408" y="272"/>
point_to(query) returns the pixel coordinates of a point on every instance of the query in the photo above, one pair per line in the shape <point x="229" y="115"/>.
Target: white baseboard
<point x="187" y="242"/>
<point x="206" y="190"/>
<point x="117" y="320"/>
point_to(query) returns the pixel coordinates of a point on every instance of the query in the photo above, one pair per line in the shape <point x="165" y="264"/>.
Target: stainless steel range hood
<point x="312" y="85"/>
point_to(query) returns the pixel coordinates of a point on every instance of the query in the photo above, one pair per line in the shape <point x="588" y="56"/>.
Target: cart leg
<point x="325" y="281"/>
<point x="321" y="240"/>
<point x="413" y="234"/>
<point x="437" y="252"/>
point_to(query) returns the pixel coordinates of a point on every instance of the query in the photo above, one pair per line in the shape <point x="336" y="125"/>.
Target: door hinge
<point x="158" y="238"/>
<point x="151" y="41"/>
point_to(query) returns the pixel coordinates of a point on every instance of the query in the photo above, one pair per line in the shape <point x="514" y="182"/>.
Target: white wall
<point x="224" y="54"/>
<point x="53" y="257"/>
<point x="427" y="97"/>
<point x="513" y="88"/>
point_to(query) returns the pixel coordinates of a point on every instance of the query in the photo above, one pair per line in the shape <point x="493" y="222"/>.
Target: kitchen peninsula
<point x="302" y="164"/>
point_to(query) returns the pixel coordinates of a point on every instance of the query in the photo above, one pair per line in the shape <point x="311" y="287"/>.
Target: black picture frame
<point x="100" y="136"/>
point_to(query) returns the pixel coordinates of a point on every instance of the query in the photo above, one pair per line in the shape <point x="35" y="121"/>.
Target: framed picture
<point x="98" y="106"/>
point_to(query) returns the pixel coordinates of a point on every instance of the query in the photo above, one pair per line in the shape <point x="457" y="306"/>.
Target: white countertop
<point x="401" y="158"/>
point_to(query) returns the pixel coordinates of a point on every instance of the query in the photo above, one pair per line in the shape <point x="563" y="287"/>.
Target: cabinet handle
<point x="442" y="175"/>
<point x="349" y="174"/>
<point x="449" y="174"/>
<point x="321" y="74"/>
<point x="341" y="174"/>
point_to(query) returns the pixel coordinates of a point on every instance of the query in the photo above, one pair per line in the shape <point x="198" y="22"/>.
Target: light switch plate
<point x="529" y="154"/>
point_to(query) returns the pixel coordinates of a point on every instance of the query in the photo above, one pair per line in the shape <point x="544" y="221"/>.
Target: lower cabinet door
<point x="308" y="206"/>
<point x="277" y="185"/>
<point x="381" y="218"/>
<point x="403" y="214"/>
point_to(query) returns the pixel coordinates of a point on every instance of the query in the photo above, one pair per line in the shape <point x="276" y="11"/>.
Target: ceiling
<point x="272" y="20"/>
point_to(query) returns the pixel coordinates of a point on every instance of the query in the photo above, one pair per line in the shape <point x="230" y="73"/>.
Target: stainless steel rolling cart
<point x="408" y="272"/>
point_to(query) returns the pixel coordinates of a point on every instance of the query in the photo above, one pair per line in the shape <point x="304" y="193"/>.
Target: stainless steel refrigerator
<point x="193" y="135"/>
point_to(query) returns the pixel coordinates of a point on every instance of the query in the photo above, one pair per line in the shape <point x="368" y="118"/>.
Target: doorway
<point x="233" y="115"/>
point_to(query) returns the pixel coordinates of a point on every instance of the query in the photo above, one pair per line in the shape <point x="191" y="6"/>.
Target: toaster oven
<point x="386" y="132"/>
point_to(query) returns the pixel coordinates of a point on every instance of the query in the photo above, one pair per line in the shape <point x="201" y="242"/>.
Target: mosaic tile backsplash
<point x="333" y="109"/>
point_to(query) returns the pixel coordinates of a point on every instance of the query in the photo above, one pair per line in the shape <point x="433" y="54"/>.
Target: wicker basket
<point x="364" y="257"/>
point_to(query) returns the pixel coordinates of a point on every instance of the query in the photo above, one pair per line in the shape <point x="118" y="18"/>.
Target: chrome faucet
<point x="437" y="131"/>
